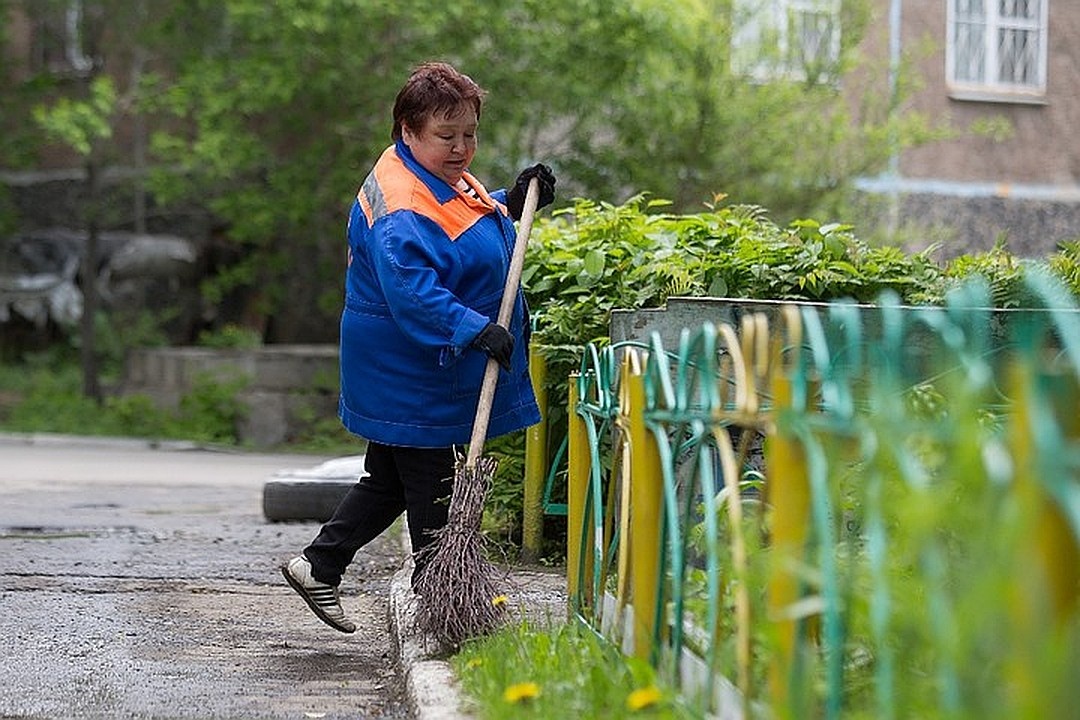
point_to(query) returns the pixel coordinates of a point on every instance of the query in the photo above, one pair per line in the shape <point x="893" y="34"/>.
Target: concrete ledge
<point x="430" y="685"/>
<point x="427" y="685"/>
<point x="284" y="389"/>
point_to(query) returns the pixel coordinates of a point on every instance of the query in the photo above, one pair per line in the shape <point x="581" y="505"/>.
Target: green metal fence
<point x="840" y="511"/>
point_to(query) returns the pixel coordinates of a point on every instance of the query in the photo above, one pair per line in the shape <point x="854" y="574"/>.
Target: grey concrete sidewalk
<point x="141" y="581"/>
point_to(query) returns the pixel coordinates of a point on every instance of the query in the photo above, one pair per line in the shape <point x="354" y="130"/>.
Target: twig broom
<point x="456" y="590"/>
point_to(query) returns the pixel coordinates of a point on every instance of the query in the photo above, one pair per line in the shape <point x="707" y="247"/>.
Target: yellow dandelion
<point x="499" y="600"/>
<point x="521" y="692"/>
<point x="642" y="698"/>
<point x="474" y="663"/>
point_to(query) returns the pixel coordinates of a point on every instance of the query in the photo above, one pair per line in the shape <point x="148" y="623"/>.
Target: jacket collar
<point x="441" y="189"/>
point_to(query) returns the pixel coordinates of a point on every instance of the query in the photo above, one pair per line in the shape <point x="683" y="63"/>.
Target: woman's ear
<point x="407" y="134"/>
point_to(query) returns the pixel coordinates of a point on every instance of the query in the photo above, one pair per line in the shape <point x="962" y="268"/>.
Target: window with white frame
<point x="786" y="39"/>
<point x="997" y="46"/>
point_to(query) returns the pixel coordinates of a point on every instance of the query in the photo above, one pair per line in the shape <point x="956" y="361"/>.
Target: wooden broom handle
<point x="506" y="309"/>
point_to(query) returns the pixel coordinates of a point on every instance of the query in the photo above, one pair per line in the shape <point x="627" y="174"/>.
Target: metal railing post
<point x="788" y="496"/>
<point x="579" y="563"/>
<point x="532" y="524"/>
<point x="646" y="491"/>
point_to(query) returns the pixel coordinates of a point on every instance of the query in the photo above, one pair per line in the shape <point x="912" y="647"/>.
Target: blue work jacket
<point x="427" y="265"/>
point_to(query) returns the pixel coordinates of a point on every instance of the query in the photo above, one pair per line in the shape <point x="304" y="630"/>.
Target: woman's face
<point x="445" y="145"/>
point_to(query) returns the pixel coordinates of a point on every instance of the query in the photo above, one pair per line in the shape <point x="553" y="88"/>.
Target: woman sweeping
<point x="429" y="251"/>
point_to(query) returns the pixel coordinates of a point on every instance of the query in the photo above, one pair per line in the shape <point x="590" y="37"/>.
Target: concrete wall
<point x="690" y="313"/>
<point x="287" y="386"/>
<point x="1030" y="228"/>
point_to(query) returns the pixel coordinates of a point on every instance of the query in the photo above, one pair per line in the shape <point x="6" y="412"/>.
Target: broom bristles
<point x="456" y="589"/>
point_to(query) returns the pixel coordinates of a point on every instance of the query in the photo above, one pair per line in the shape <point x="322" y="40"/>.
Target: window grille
<point x="997" y="46"/>
<point x="787" y="39"/>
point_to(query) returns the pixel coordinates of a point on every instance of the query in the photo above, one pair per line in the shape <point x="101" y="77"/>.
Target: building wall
<point x="969" y="191"/>
<point x="959" y="225"/>
<point x="1043" y="149"/>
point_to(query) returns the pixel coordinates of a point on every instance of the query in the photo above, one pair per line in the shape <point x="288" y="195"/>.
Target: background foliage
<point x="265" y="115"/>
<point x="587" y="260"/>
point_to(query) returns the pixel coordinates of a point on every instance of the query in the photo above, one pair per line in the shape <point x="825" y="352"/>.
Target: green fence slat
<point x="896" y="411"/>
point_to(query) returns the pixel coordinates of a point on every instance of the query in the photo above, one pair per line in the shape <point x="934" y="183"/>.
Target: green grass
<point x="565" y="672"/>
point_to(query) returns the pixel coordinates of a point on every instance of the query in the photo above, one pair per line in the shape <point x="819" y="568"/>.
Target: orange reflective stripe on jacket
<point x="391" y="186"/>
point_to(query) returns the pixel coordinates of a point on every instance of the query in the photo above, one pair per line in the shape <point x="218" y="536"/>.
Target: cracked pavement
<point x="143" y="582"/>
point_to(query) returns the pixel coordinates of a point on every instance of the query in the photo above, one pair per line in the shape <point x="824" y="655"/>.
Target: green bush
<point x="585" y="261"/>
<point x="231" y="336"/>
<point x="1065" y="264"/>
<point x="47" y="397"/>
<point x="211" y="411"/>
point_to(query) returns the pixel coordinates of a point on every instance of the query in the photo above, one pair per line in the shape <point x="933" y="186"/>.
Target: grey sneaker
<point x="320" y="597"/>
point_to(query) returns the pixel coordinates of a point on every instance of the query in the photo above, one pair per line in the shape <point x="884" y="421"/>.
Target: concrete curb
<point x="431" y="687"/>
<point x="42" y="439"/>
<point x="537" y="596"/>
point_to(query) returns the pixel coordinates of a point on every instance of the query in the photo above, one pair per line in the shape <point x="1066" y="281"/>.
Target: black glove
<point x="515" y="198"/>
<point x="497" y="342"/>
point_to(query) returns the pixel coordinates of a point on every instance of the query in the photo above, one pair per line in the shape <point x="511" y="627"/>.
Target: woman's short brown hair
<point x="433" y="87"/>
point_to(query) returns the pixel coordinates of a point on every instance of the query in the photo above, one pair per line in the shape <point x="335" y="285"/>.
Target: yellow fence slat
<point x="578" y="564"/>
<point x="536" y="463"/>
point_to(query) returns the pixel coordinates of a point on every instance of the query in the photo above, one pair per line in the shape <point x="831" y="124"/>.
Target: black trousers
<point x="417" y="481"/>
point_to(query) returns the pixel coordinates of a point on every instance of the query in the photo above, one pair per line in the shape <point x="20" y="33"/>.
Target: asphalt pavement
<point x="142" y="581"/>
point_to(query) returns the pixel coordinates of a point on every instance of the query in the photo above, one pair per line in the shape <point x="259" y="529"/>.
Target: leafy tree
<point x="687" y="124"/>
<point x="267" y="113"/>
<point x="16" y="143"/>
<point x="84" y="126"/>
<point x="282" y="103"/>
<point x="83" y="114"/>
<point x="285" y="104"/>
